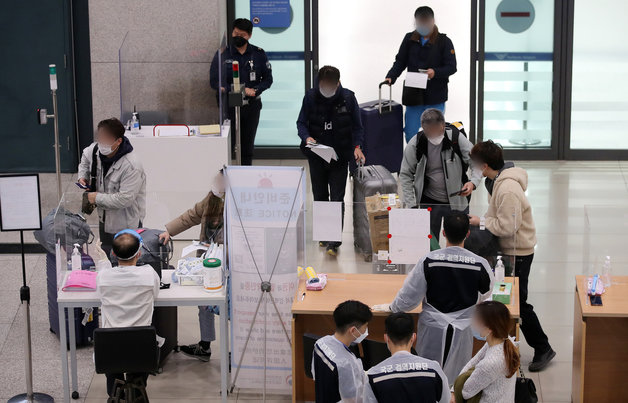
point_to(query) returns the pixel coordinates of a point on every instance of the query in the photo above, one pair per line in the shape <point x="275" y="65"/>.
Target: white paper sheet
<point x="19" y="203"/>
<point x="325" y="152"/>
<point x="194" y="246"/>
<point x="409" y="230"/>
<point x="327" y="221"/>
<point x="416" y="80"/>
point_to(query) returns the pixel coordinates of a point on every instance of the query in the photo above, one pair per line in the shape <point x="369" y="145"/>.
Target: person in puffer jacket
<point x="509" y="217"/>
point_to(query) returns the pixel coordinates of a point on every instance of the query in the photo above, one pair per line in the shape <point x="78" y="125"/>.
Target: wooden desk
<point x="600" y="344"/>
<point x="313" y="314"/>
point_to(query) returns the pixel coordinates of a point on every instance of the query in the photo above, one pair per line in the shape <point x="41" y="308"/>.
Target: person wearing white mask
<point x="338" y="374"/>
<point x="434" y="169"/>
<point x="330" y="116"/>
<point x="209" y="214"/>
<point x="114" y="180"/>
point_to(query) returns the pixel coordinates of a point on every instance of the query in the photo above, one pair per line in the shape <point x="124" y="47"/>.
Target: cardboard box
<point x="377" y="210"/>
<point x="502" y="292"/>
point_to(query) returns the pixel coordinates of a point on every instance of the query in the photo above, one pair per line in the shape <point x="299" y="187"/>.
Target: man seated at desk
<point x="405" y="377"/>
<point x="449" y="282"/>
<point x="209" y="214"/>
<point x="127" y="292"/>
<point x="338" y="373"/>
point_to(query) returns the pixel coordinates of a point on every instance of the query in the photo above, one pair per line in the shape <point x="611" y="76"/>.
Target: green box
<point x="502" y="292"/>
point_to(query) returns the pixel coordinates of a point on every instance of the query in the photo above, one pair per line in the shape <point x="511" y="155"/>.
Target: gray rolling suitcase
<point x="367" y="181"/>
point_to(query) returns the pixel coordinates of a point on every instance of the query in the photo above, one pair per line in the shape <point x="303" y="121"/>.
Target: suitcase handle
<point x="359" y="171"/>
<point x="379" y="106"/>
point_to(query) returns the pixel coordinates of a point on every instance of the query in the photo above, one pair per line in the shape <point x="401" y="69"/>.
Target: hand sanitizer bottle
<point x="76" y="258"/>
<point x="500" y="270"/>
<point x="135" y="124"/>
<point x="607" y="273"/>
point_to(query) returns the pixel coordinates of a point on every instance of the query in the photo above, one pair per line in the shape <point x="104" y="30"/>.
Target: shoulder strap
<point x="94" y="168"/>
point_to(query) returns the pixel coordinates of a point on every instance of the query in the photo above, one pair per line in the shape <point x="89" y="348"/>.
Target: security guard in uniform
<point x="255" y="74"/>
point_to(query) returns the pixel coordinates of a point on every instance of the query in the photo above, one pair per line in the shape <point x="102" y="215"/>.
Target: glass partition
<point x="605" y="240"/>
<point x="167" y="82"/>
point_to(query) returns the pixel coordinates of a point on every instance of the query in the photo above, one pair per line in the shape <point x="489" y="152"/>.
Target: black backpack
<point x="456" y="130"/>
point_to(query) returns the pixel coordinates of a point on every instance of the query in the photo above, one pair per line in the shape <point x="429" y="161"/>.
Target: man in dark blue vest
<point x="330" y="116"/>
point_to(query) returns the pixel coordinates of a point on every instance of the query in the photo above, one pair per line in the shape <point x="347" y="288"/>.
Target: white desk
<point x="179" y="172"/>
<point x="174" y="296"/>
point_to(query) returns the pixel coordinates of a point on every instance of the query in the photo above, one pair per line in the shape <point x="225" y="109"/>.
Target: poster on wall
<point x="270" y="13"/>
<point x="265" y="233"/>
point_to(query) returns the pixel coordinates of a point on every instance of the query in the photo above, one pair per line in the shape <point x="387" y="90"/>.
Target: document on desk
<point x="416" y="79"/>
<point x="409" y="235"/>
<point x="193" y="247"/>
<point x="325" y="152"/>
<point x="327" y="221"/>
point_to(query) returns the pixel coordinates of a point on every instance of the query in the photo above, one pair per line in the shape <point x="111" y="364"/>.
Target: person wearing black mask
<point x="330" y="115"/>
<point x="256" y="75"/>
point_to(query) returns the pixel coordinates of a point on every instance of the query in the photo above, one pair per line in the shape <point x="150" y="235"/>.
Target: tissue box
<point x="502" y="292"/>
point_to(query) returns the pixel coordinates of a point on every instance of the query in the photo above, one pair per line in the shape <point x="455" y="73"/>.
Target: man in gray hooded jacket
<point x="434" y="169"/>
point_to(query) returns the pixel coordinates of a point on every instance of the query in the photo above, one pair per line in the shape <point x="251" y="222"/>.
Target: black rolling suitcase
<point x="84" y="333"/>
<point x="383" y="132"/>
<point x="367" y="181"/>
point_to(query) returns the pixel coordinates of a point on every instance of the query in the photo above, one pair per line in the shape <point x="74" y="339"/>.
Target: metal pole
<point x="238" y="139"/>
<point x="265" y="336"/>
<point x="57" y="146"/>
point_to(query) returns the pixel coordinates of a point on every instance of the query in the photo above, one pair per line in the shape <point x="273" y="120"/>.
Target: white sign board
<point x="327" y="221"/>
<point x="264" y="221"/>
<point x="409" y="235"/>
<point x="20" y="208"/>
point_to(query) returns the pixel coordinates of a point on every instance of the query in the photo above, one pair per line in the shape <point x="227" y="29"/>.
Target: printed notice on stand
<point x="409" y="235"/>
<point x="19" y="203"/>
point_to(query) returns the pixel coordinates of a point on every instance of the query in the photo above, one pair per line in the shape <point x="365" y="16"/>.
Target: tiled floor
<point x="558" y="192"/>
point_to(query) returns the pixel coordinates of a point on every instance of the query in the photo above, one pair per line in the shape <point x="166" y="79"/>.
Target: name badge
<point x="252" y="76"/>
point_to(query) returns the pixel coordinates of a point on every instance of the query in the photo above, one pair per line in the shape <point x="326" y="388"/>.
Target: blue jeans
<point x="413" y="118"/>
<point x="206" y="321"/>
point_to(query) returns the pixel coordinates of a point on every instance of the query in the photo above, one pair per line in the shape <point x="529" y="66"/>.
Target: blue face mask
<point x="477" y="334"/>
<point x="423" y="30"/>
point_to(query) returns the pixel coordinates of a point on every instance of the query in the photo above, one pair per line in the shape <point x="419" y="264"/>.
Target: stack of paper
<point x="81" y="280"/>
<point x="325" y="152"/>
<point x="209" y="130"/>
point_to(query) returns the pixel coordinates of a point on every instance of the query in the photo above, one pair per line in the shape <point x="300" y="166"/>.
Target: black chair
<point x="128" y="350"/>
<point x="376" y="352"/>
<point x="308" y="348"/>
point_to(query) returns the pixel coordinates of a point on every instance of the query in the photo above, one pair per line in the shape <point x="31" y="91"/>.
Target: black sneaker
<point x="322" y="244"/>
<point x="196" y="351"/>
<point x="539" y="362"/>
<point x="332" y="250"/>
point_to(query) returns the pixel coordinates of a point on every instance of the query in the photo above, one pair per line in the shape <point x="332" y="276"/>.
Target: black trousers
<point x="111" y="379"/>
<point x="249" y="120"/>
<point x="439" y="210"/>
<point x="329" y="182"/>
<point x="530" y="325"/>
<point x="106" y="238"/>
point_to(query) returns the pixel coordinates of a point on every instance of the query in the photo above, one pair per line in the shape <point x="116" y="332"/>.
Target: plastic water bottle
<point x="500" y="270"/>
<point x="76" y="258"/>
<point x="607" y="272"/>
<point x="135" y="124"/>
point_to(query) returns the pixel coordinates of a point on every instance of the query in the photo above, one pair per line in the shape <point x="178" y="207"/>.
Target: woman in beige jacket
<point x="209" y="214"/>
<point x="509" y="217"/>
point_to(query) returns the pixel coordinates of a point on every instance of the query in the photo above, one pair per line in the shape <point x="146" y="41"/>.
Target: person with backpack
<point x="424" y="50"/>
<point x="434" y="169"/>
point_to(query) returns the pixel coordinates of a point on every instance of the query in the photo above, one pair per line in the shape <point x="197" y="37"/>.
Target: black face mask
<point x="239" y="41"/>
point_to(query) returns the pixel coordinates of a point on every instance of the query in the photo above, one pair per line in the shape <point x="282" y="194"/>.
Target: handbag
<point x="525" y="390"/>
<point x="459" y="384"/>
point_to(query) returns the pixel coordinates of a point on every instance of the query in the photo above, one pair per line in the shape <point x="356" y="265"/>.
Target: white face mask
<point x="105" y="149"/>
<point x="327" y="92"/>
<point x="362" y="336"/>
<point x="436" y="140"/>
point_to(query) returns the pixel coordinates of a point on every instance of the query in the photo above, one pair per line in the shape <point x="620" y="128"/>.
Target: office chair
<point x="309" y="340"/>
<point x="376" y="352"/>
<point x="126" y="350"/>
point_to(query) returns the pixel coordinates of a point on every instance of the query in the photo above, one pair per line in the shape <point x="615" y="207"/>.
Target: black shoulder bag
<point x="525" y="390"/>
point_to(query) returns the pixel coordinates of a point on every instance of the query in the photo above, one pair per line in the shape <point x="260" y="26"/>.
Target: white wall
<point x="361" y="38"/>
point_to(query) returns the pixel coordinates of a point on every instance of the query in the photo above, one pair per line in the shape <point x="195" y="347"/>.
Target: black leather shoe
<point x="541" y="361"/>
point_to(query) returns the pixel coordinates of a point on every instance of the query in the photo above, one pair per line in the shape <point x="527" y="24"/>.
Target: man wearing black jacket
<point x="330" y="115"/>
<point x="425" y="49"/>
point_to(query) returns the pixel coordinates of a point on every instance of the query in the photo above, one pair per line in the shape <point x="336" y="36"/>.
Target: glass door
<point x="516" y="76"/>
<point x="283" y="41"/>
